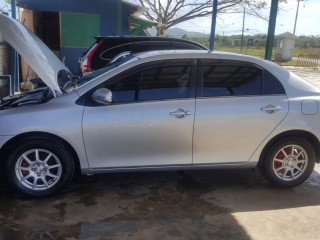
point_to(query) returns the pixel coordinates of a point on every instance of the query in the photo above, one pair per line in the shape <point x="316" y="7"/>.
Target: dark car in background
<point x="105" y="49"/>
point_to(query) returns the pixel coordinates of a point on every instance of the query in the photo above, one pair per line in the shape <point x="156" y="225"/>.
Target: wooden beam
<point x="27" y="73"/>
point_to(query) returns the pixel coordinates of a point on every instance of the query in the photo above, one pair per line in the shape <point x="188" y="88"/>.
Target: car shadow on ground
<point x="150" y="205"/>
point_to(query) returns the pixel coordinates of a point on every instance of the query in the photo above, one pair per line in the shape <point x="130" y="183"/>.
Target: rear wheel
<point x="38" y="167"/>
<point x="289" y="162"/>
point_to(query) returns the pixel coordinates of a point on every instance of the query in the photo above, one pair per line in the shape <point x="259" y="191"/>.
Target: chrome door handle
<point x="180" y="113"/>
<point x="271" y="108"/>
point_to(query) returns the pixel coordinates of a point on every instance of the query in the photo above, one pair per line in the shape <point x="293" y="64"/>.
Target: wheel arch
<point x="4" y="151"/>
<point x="312" y="139"/>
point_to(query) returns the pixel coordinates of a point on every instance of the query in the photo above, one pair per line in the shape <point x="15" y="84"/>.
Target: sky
<point x="229" y="24"/>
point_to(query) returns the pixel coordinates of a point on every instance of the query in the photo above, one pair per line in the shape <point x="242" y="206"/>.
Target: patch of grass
<point x="259" y="52"/>
<point x="306" y="51"/>
<point x="289" y="63"/>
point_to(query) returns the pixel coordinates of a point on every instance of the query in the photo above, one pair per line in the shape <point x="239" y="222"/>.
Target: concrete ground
<point x="211" y="204"/>
<point x="309" y="74"/>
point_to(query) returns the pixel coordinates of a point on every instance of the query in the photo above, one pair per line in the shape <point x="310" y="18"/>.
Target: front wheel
<point x="289" y="162"/>
<point x="39" y="168"/>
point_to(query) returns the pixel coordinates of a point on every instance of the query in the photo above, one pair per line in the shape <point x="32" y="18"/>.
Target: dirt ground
<point x="211" y="204"/>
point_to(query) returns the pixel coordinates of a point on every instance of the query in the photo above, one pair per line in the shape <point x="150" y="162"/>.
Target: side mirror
<point x="102" y="96"/>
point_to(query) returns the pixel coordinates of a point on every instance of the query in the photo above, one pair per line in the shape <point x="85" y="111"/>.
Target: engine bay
<point x="37" y="96"/>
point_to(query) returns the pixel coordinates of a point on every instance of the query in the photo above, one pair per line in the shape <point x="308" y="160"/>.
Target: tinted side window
<point x="150" y="47"/>
<point x="110" y="53"/>
<point x="166" y="82"/>
<point x="177" y="45"/>
<point x="125" y="90"/>
<point x="271" y="85"/>
<point x="99" y="59"/>
<point x="222" y="79"/>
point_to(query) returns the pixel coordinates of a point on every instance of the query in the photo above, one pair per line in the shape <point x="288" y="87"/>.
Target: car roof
<point x="142" y="38"/>
<point x="149" y="38"/>
<point x="163" y="54"/>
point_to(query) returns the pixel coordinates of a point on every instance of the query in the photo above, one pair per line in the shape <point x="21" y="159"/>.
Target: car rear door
<point x="149" y="123"/>
<point x="238" y="105"/>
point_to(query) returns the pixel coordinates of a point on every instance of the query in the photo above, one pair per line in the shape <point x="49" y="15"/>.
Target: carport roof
<point x="59" y="5"/>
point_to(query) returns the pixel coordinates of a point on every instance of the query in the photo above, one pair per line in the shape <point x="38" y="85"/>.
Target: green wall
<point x="78" y="29"/>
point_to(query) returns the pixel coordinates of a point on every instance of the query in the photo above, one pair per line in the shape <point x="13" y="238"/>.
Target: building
<point x="285" y="46"/>
<point x="69" y="27"/>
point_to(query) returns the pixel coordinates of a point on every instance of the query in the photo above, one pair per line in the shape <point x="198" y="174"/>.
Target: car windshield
<point x="90" y="76"/>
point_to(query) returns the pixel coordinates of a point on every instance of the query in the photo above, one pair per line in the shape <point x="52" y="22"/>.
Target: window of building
<point x="281" y="43"/>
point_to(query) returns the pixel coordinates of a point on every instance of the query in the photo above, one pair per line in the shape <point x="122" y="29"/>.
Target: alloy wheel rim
<point x="38" y="169"/>
<point x="290" y="162"/>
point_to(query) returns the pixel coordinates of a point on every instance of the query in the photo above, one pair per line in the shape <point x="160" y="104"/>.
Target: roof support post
<point x="213" y="24"/>
<point x="271" y="29"/>
<point x="14" y="56"/>
<point x="119" y="17"/>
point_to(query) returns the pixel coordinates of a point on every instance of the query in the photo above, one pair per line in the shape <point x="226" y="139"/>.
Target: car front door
<point x="238" y="105"/>
<point x="150" y="121"/>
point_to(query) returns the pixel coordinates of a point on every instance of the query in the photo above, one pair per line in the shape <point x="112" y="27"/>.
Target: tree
<point x="171" y="12"/>
<point x="5" y="7"/>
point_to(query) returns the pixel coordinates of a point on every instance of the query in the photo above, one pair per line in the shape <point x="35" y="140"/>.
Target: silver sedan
<point x="168" y="110"/>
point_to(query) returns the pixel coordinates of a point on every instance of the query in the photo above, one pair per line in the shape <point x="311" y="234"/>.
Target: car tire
<point x="39" y="167"/>
<point x="289" y="162"/>
<point x="261" y="168"/>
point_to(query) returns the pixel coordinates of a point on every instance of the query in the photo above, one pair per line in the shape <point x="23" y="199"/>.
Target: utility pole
<point x="295" y="22"/>
<point x="213" y="24"/>
<point x="244" y="19"/>
<point x="271" y="28"/>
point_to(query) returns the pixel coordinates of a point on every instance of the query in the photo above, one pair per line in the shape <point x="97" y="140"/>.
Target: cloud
<point x="229" y="24"/>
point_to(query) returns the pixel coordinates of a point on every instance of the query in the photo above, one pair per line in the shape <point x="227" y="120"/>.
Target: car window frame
<point x="204" y="62"/>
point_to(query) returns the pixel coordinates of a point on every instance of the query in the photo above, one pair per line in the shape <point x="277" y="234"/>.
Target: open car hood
<point x="40" y="58"/>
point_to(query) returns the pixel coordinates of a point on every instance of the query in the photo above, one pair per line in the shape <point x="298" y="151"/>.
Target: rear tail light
<point x="86" y="65"/>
